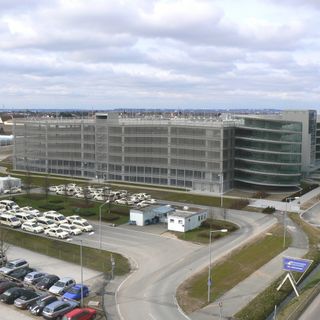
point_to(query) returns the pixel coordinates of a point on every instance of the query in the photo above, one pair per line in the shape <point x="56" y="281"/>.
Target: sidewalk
<point x="239" y="296"/>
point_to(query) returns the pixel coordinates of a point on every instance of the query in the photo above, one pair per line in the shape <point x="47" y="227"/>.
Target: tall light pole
<point x="100" y="232"/>
<point x="221" y="188"/>
<point x="209" y="268"/>
<point x="81" y="265"/>
<point x="284" y="219"/>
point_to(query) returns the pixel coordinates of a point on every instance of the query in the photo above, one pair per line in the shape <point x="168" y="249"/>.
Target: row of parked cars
<point x="51" y="223"/>
<point x="104" y="194"/>
<point x="41" y="293"/>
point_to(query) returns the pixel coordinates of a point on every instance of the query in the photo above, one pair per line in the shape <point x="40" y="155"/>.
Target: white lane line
<point x="122" y="283"/>
<point x="152" y="317"/>
<point x="179" y="308"/>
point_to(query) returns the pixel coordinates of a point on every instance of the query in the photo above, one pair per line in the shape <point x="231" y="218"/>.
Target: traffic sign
<point x="295" y="264"/>
<point x="209" y="282"/>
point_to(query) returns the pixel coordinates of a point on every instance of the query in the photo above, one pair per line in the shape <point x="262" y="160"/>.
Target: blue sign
<point x="295" y="264"/>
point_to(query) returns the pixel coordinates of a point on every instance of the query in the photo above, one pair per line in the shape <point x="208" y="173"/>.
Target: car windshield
<point x="60" y="218"/>
<point x="59" y="230"/>
<point x="73" y="227"/>
<point x="85" y="224"/>
<point x="10" y="265"/>
<point x="50" y="222"/>
<point x="34" y="225"/>
<point x="60" y="284"/>
<point x="14" y="219"/>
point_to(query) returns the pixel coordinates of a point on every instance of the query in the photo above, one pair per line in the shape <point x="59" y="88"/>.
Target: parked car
<point x="19" y="274"/>
<point x="76" y="218"/>
<point x="5" y="285"/>
<point x="34" y="277"/>
<point x="62" y="285"/>
<point x="25" y="217"/>
<point x="56" y="217"/>
<point x="12" y="294"/>
<point x="28" y="298"/>
<point x="83" y="225"/>
<point x="58" y="308"/>
<point x="14" y="265"/>
<point x="9" y="220"/>
<point x="70" y="228"/>
<point x="57" y="233"/>
<point x="37" y="307"/>
<point x="121" y="201"/>
<point x="32" y="227"/>
<point x="46" y="223"/>
<point x="47" y="281"/>
<point x="34" y="212"/>
<point x="80" y="314"/>
<point x="74" y="292"/>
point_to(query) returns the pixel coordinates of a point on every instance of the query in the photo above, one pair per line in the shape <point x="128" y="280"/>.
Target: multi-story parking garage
<point x="198" y="153"/>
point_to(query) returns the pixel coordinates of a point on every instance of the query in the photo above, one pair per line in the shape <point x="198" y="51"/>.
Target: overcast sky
<point x="151" y="53"/>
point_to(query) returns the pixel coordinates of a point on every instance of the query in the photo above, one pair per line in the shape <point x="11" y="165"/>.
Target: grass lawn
<point x="202" y="234"/>
<point x="69" y="206"/>
<point x="92" y="258"/>
<point x="192" y="294"/>
<point x="262" y="306"/>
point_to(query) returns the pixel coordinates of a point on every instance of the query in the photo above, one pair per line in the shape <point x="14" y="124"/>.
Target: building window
<point x="172" y="220"/>
<point x="180" y="221"/>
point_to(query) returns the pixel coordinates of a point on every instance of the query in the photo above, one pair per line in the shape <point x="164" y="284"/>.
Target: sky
<point x="159" y="54"/>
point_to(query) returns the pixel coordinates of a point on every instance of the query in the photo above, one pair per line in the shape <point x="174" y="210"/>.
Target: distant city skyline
<point x="177" y="54"/>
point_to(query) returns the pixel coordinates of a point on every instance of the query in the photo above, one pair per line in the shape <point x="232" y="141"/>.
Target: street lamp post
<point x="284" y="219"/>
<point x="209" y="269"/>
<point x="221" y="189"/>
<point x="100" y="232"/>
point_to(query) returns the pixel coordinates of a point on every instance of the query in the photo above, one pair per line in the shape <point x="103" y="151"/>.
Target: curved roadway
<point x="162" y="264"/>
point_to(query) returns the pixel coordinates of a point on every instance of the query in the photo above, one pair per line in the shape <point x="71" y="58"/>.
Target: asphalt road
<point x="162" y="263"/>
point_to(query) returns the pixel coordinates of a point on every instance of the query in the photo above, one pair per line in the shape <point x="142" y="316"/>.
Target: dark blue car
<point x="74" y="292"/>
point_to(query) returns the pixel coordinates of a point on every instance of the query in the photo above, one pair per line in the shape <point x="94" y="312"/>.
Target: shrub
<point x="51" y="206"/>
<point x="260" y="195"/>
<point x="110" y="217"/>
<point x="56" y="200"/>
<point x="269" y="210"/>
<point x="239" y="204"/>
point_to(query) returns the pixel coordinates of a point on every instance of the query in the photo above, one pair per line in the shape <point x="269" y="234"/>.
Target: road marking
<point x="152" y="317"/>
<point x="179" y="308"/>
<point x="117" y="291"/>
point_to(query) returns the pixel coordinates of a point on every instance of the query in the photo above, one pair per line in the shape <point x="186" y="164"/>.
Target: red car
<point x="80" y="314"/>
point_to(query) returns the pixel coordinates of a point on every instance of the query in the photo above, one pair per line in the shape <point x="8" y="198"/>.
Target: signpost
<point x="291" y="264"/>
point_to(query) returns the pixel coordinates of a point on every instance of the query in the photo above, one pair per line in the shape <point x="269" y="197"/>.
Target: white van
<point x="25" y="217"/>
<point x="9" y="204"/>
<point x="10" y="220"/>
<point x="56" y="217"/>
<point x="70" y="228"/>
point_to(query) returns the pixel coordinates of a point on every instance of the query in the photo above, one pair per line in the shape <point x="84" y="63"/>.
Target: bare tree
<point x="9" y="185"/>
<point x="86" y="195"/>
<point x="45" y="187"/>
<point x="28" y="182"/>
<point x="4" y="246"/>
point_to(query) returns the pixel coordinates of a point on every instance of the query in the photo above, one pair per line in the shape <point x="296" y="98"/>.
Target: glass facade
<point x="268" y="152"/>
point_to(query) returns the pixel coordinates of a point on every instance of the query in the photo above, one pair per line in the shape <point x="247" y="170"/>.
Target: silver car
<point x="62" y="285"/>
<point x="58" y="308"/>
<point x="14" y="265"/>
<point x="34" y="277"/>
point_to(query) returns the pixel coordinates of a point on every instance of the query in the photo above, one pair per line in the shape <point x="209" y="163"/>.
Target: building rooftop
<point x="185" y="214"/>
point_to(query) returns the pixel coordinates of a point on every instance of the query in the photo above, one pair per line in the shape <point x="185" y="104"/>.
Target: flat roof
<point x="185" y="214"/>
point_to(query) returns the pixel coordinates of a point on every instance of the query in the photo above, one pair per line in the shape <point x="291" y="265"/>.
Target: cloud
<point x="178" y="52"/>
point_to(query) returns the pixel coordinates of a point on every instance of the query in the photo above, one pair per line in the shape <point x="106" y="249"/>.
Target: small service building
<point x="150" y="214"/>
<point x="7" y="183"/>
<point x="186" y="219"/>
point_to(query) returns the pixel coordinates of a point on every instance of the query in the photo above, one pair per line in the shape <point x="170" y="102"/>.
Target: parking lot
<point x="50" y="265"/>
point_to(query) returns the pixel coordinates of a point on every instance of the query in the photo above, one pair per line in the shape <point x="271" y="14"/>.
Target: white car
<point x="121" y="201"/>
<point x="151" y="201"/>
<point x="34" y="212"/>
<point x="70" y="228"/>
<point x="53" y="188"/>
<point x="15" y="190"/>
<point x="61" y="192"/>
<point x="83" y="225"/>
<point x="76" y="218"/>
<point x="99" y="197"/>
<point x="79" y="195"/>
<point x="32" y="227"/>
<point x="57" y="233"/>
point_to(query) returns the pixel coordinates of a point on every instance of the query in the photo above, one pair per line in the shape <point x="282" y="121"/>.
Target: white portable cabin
<point x="149" y="213"/>
<point x="9" y="182"/>
<point x="185" y="220"/>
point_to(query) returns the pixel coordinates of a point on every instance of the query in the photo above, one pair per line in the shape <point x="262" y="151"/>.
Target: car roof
<point x="76" y="311"/>
<point x="65" y="279"/>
